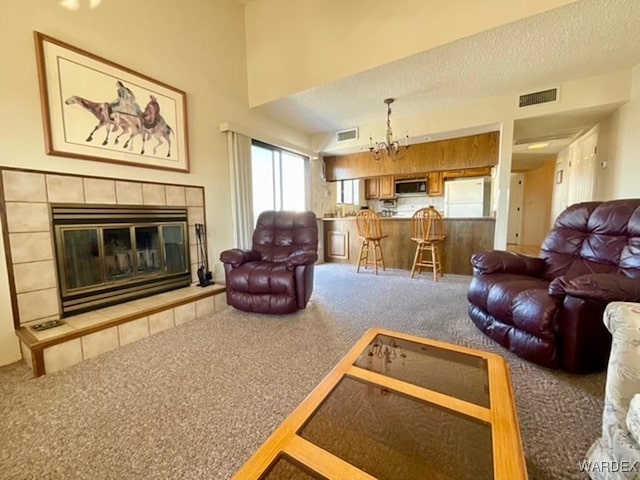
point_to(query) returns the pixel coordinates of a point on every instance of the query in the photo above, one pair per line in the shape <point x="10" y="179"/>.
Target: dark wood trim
<point x="7" y="254"/>
<point x="37" y="346"/>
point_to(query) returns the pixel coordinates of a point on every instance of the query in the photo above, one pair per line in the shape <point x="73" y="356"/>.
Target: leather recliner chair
<point x="276" y="275"/>
<point x="548" y="310"/>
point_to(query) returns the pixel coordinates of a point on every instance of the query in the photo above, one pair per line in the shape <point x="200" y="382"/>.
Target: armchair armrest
<point x="603" y="287"/>
<point x="499" y="261"/>
<point x="303" y="257"/>
<point x="237" y="257"/>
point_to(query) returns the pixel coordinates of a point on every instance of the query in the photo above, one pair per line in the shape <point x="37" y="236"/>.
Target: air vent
<point x="347" y="135"/>
<point x="536" y="98"/>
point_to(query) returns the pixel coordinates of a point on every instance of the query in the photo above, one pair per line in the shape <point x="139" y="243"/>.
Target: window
<point x="280" y="179"/>
<point x="348" y="191"/>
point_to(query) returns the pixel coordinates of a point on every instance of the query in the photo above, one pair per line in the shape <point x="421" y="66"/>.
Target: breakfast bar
<point x="464" y="236"/>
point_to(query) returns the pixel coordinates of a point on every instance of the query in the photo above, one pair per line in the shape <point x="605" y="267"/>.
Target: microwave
<point x="411" y="187"/>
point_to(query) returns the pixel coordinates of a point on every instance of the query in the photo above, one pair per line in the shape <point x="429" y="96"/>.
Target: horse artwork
<point x="94" y="109"/>
<point x="123" y="116"/>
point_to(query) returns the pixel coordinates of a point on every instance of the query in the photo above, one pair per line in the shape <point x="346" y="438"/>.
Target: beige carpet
<point x="194" y="402"/>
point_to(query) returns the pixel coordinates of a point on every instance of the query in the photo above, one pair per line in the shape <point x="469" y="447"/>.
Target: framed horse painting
<point x="97" y="110"/>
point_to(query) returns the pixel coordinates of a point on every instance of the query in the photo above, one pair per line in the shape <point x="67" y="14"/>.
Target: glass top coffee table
<point x="400" y="407"/>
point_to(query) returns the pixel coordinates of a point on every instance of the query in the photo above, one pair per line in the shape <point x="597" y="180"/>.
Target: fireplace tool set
<point x="204" y="274"/>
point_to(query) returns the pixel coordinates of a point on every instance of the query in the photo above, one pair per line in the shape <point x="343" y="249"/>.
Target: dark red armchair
<point x="276" y="275"/>
<point x="548" y="310"/>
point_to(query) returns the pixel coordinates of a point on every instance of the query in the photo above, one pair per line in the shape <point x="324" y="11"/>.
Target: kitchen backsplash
<point x="406" y="206"/>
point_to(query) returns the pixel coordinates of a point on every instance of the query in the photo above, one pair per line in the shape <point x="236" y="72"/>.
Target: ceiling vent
<point x="347" y="135"/>
<point x="536" y="98"/>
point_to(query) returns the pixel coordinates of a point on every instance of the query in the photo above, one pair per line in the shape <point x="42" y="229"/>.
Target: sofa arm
<point x="499" y="261"/>
<point x="599" y="287"/>
<point x="236" y="257"/>
<point x="303" y="257"/>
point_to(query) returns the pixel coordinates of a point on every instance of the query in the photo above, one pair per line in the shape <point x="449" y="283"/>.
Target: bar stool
<point x="427" y="230"/>
<point x="370" y="233"/>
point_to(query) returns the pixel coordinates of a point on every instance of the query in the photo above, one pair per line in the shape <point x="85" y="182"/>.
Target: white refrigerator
<point x="467" y="197"/>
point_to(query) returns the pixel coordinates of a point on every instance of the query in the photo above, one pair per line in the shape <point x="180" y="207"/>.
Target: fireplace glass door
<point x="111" y="254"/>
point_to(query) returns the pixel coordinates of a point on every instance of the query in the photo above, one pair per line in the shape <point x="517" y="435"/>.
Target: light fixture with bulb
<point x="390" y="147"/>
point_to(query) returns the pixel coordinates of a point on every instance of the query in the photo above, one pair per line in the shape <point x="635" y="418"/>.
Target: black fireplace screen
<point x="107" y="255"/>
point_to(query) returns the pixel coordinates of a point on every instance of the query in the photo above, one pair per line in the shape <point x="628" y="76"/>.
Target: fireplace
<point x="108" y="254"/>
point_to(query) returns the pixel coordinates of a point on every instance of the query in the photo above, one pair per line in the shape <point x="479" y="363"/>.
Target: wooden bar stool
<point x="370" y="233"/>
<point x="427" y="230"/>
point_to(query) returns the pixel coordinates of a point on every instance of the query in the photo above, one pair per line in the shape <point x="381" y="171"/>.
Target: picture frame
<point x="95" y="109"/>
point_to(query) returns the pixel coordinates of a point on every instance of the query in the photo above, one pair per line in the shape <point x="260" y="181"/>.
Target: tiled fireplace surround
<point x="27" y="196"/>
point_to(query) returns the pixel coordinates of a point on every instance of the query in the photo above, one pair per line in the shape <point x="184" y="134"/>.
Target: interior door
<point x="514" y="226"/>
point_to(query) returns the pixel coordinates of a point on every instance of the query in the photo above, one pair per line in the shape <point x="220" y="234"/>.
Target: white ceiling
<point x="583" y="39"/>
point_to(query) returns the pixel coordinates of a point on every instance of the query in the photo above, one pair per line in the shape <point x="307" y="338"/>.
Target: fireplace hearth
<point x="109" y="254"/>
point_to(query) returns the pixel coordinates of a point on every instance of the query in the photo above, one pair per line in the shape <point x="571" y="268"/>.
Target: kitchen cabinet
<point x="337" y="245"/>
<point x="435" y="182"/>
<point x="474" y="151"/>
<point x="467" y="172"/>
<point x="387" y="187"/>
<point x="380" y="187"/>
<point x="372" y="188"/>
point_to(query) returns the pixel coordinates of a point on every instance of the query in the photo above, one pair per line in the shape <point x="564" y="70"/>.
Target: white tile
<point x="27" y="217"/>
<point x="195" y="215"/>
<point x="220" y="301"/>
<point x="133" y="331"/>
<point x="176" y="195"/>
<point x="30" y="247"/>
<point x="24" y="186"/>
<point x="38" y="304"/>
<point x="34" y="276"/>
<point x="98" y="190"/>
<point x="62" y="355"/>
<point x="204" y="307"/>
<point x="161" y="321"/>
<point x="129" y="193"/>
<point x="85" y="320"/>
<point x="153" y="194"/>
<point x="65" y="189"/>
<point x="195" y="196"/>
<point x="100" y="342"/>
<point x="184" y="313"/>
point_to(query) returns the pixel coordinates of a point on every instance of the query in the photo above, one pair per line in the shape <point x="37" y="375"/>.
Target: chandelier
<point x="387" y="352"/>
<point x="391" y="147"/>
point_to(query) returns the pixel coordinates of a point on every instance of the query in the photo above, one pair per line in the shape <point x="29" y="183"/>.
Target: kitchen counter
<point x="464" y="236"/>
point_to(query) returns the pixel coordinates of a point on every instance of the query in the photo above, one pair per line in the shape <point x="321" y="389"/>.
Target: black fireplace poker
<point x="204" y="274"/>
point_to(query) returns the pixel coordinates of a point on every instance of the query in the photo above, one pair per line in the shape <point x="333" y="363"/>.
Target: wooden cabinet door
<point x="435" y="182"/>
<point x="337" y="245"/>
<point x="371" y="188"/>
<point x="387" y="187"/>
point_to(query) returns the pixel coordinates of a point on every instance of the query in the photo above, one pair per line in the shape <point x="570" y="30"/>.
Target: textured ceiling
<point x="582" y="39"/>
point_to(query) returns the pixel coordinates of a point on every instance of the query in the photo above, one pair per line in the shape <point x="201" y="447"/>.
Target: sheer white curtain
<point x="239" y="147"/>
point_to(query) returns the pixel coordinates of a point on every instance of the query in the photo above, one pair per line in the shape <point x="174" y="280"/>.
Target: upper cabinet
<point x="387" y="187"/>
<point x="470" y="152"/>
<point x="435" y="184"/>
<point x="380" y="187"/>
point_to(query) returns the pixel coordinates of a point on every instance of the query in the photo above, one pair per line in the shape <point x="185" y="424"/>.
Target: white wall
<point x="196" y="46"/>
<point x="621" y="147"/>
<point x="326" y="40"/>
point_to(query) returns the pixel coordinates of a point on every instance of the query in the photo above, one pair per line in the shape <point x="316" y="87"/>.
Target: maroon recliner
<point x="276" y="275"/>
<point x="548" y="310"/>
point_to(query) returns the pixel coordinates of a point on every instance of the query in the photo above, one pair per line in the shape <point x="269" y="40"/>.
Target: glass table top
<point x="393" y="436"/>
<point x="449" y="372"/>
<point x="284" y="469"/>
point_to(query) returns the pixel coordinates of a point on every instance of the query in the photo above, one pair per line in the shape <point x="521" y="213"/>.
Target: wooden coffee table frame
<point x="508" y="456"/>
